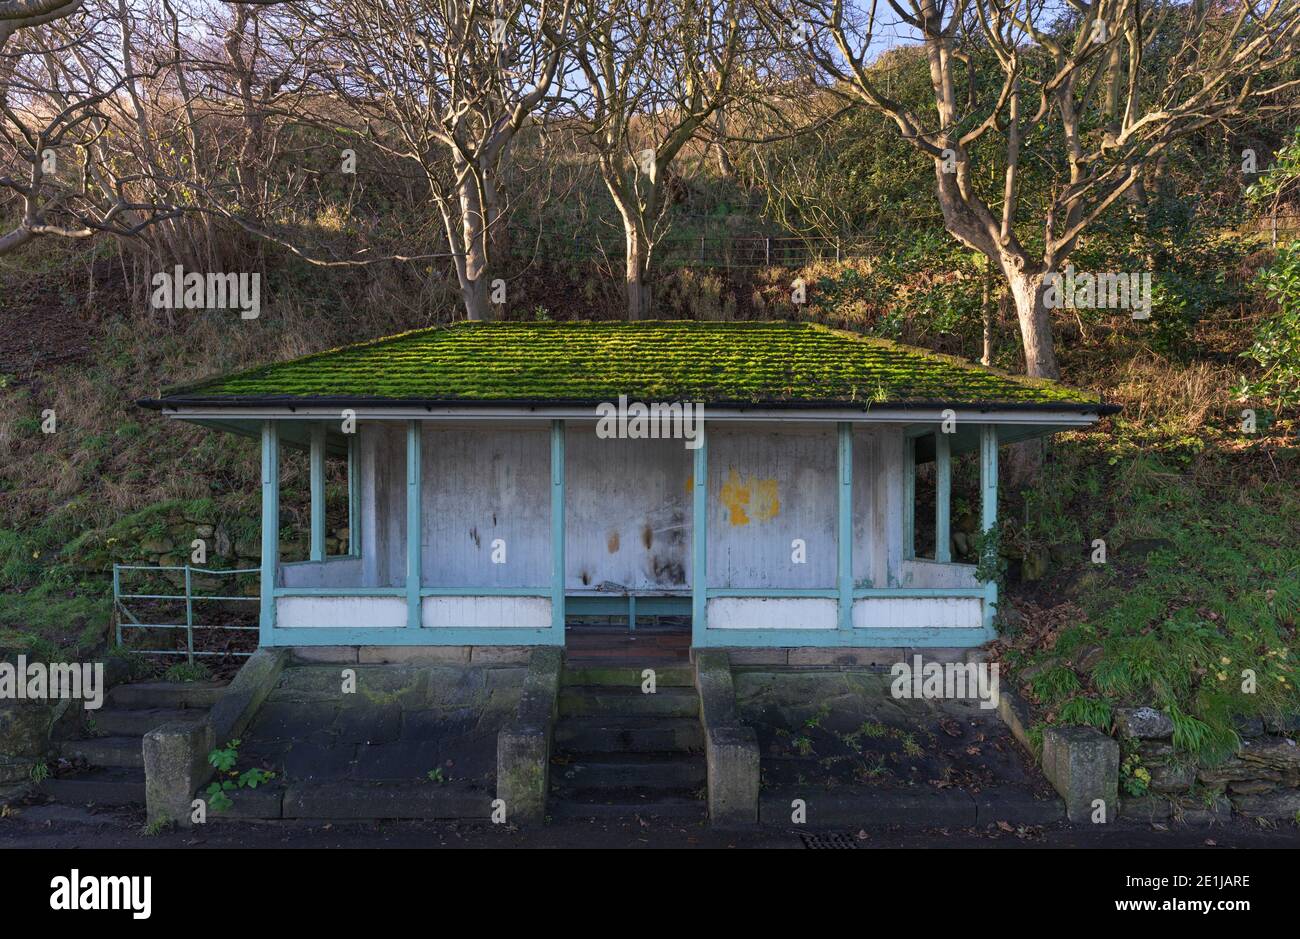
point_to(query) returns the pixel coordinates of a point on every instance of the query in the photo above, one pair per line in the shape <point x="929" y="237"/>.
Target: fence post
<point x="767" y="252"/>
<point x="117" y="613"/>
<point x="189" y="617"/>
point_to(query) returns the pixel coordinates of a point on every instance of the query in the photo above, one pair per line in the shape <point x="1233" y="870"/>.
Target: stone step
<point x="100" y="787"/>
<point x="106" y="751"/>
<point x="596" y="773"/>
<point x="166" y="694"/>
<point x="683" y="806"/>
<point x="627" y="676"/>
<point x="608" y="701"/>
<point x="419" y="800"/>
<point x="628" y="734"/>
<point x="138" y="722"/>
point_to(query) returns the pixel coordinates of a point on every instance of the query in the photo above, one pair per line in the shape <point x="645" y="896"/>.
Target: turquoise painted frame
<point x="316" y="474"/>
<point x="557" y="532"/>
<point x="270" y="529"/>
<point x="942" y="497"/>
<point x="696" y="603"/>
<point x="989" y="514"/>
<point x="700" y="539"/>
<point x="354" y="500"/>
<point x="414" y="524"/>
<point x="844" y="458"/>
<point x="909" y="498"/>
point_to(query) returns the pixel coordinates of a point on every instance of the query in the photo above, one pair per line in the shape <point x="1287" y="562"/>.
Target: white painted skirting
<point x="775" y="613"/>
<point x="390" y="612"/>
<point x="345" y="612"/>
<point x="486" y="612"/>
<point x="917" y="612"/>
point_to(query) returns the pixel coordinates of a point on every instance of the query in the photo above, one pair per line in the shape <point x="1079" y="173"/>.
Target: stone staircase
<point x="619" y="752"/>
<point x="114" y="774"/>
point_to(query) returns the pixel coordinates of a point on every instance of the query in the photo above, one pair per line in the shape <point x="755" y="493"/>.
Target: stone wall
<point x="1262" y="779"/>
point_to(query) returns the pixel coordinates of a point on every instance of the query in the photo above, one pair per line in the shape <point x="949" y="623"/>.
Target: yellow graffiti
<point x="750" y="495"/>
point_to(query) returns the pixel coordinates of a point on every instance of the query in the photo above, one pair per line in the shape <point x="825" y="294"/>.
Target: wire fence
<point x="127" y="616"/>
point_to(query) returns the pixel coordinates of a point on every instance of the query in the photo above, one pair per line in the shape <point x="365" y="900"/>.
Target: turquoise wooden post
<point x="270" y="528"/>
<point x="909" y="498"/>
<point x="354" y="498"/>
<point x="942" y="497"/>
<point x="413" y="525"/>
<point x="557" y="530"/>
<point x="989" y="509"/>
<point x="700" y="539"/>
<point x="317" y="475"/>
<point x="846" y="524"/>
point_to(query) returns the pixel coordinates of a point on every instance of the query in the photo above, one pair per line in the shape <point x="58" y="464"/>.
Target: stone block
<point x="500" y="655"/>
<point x="741" y="657"/>
<point x="1143" y="723"/>
<point x="1083" y="764"/>
<point x="252" y="684"/>
<point x="730" y="748"/>
<point x="175" y="767"/>
<point x="1280" y="804"/>
<point x="855" y="658"/>
<point x="731" y="757"/>
<point x="1015" y="714"/>
<point x="413" y="655"/>
<point x="325" y="655"/>
<point x="524" y="744"/>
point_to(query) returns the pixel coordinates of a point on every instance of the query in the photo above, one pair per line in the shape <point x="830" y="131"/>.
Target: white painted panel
<point x="627" y="511"/>
<point x="922" y="573"/>
<point x="768" y="487"/>
<point x="383" y="504"/>
<point x="484" y="484"/>
<point x="337" y="572"/>
<point x="917" y="612"/>
<point x="358" y="612"/>
<point x="486" y="612"/>
<point x="773" y="613"/>
<point x="867" y="521"/>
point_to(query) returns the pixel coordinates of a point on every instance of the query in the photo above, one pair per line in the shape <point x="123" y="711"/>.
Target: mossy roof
<point x="772" y="364"/>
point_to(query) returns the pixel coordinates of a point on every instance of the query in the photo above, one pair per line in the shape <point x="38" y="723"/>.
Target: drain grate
<point x="835" y="840"/>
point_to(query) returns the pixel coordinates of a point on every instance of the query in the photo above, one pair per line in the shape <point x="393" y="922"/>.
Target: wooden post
<point x="700" y="539"/>
<point x="909" y="498"/>
<point x="989" y="509"/>
<point x="942" y="497"/>
<point x="413" y="525"/>
<point x="354" y="499"/>
<point x="557" y="529"/>
<point x="845" y="460"/>
<point x="317" y="474"/>
<point x="270" y="527"/>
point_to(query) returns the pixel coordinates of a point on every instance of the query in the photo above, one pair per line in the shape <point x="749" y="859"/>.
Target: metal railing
<point x="121" y="610"/>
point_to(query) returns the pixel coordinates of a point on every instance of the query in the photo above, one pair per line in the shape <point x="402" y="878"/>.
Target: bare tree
<point x="59" y="82"/>
<point x="1075" y="83"/>
<point x="444" y="85"/>
<point x="654" y="75"/>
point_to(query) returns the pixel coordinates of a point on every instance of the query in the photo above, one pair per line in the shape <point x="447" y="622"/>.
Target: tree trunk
<point x="474" y="294"/>
<point x="638" y="289"/>
<point x="472" y="269"/>
<point x="986" y="312"/>
<point x="1035" y="325"/>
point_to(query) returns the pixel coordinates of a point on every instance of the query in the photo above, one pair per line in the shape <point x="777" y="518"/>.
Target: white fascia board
<point x="1067" y="415"/>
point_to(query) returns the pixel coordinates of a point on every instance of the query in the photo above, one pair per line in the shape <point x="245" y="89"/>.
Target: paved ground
<point x="52" y="826"/>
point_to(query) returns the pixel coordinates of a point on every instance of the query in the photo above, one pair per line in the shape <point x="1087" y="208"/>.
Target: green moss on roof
<point x="772" y="363"/>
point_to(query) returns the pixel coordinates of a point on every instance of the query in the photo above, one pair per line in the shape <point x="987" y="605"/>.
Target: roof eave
<point x="1101" y="409"/>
